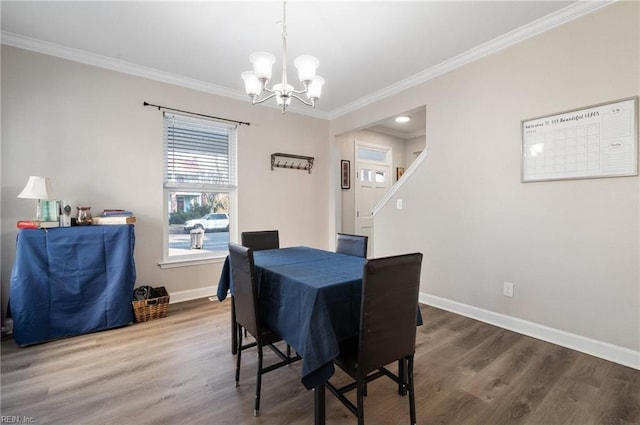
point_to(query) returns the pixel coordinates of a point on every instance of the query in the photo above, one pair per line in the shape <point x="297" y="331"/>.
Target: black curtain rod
<point x="194" y="113"/>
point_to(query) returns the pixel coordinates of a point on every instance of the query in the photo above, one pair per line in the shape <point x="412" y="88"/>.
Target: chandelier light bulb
<point x="252" y="85"/>
<point x="314" y="90"/>
<point x="283" y="101"/>
<point x="262" y="64"/>
<point x="306" y="65"/>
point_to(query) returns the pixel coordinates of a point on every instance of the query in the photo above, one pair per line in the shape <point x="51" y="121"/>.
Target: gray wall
<point x="570" y="247"/>
<point x="86" y="129"/>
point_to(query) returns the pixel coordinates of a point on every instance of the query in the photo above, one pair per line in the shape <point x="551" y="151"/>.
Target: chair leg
<point x="234" y="328"/>
<point x="402" y="375"/>
<point x="412" y="397"/>
<point x="239" y="350"/>
<point x="360" y="392"/>
<point x="256" y="410"/>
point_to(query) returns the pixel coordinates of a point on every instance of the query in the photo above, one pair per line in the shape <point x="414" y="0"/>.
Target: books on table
<point x="123" y="219"/>
<point x="111" y="216"/>
<point x="115" y="216"/>
<point x="116" y="213"/>
<point x="108" y="217"/>
<point x="36" y="224"/>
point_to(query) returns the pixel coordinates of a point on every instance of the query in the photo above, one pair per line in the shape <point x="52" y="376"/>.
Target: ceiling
<point x="367" y="50"/>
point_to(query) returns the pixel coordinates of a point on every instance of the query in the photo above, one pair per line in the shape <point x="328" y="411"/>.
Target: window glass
<point x="199" y="186"/>
<point x="368" y="154"/>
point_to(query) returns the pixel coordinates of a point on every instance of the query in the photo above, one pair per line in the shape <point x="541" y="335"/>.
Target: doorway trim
<point x="359" y="163"/>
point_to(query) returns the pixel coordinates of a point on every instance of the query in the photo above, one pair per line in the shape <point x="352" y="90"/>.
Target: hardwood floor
<point x="180" y="370"/>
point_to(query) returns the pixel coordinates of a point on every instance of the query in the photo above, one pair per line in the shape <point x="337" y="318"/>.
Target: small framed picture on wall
<point x="345" y="174"/>
<point x="399" y="172"/>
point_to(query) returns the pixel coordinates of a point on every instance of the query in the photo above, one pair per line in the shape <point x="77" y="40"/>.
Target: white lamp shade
<point x="262" y="64"/>
<point x="252" y="85"/>
<point x="314" y="91"/>
<point x="306" y="65"/>
<point x="38" y="188"/>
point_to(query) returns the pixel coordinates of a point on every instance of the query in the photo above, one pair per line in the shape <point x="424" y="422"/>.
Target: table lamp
<point x="38" y="188"/>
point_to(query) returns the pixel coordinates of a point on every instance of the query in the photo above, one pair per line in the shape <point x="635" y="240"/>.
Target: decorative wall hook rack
<point x="295" y="162"/>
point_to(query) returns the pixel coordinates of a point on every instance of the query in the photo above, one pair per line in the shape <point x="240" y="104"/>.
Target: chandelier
<point x="256" y="81"/>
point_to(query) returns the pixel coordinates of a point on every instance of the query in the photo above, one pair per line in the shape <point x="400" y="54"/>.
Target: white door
<point x="373" y="180"/>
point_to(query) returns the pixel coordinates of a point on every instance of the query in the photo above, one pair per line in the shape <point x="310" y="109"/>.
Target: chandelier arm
<point x="301" y="99"/>
<point x="255" y="102"/>
<point x="304" y="91"/>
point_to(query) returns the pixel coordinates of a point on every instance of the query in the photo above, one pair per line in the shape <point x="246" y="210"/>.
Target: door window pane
<point x="369" y="154"/>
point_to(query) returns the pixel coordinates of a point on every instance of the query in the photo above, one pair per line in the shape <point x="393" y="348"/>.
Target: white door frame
<point x="358" y="163"/>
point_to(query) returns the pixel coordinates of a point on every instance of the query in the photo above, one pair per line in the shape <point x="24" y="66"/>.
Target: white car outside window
<point x="209" y="223"/>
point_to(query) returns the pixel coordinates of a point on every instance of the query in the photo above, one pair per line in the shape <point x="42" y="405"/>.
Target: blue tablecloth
<point x="311" y="298"/>
<point x="73" y="280"/>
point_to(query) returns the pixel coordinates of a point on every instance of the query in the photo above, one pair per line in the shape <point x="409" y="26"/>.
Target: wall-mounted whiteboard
<point x="597" y="141"/>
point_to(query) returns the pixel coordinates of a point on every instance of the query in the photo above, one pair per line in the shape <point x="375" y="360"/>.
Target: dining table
<point x="311" y="298"/>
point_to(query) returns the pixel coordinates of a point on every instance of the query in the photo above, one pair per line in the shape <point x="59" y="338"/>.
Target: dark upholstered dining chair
<point x="388" y="319"/>
<point x="257" y="241"/>
<point x="248" y="317"/>
<point x="352" y="244"/>
<point x="260" y="240"/>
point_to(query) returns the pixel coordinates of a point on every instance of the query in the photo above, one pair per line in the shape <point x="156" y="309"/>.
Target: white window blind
<point x="199" y="153"/>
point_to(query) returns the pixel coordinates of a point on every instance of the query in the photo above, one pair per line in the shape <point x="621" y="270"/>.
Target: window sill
<point x="187" y="262"/>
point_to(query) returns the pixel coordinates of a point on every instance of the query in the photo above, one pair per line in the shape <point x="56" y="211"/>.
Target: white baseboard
<point x="614" y="353"/>
<point x="193" y="294"/>
<point x="604" y="350"/>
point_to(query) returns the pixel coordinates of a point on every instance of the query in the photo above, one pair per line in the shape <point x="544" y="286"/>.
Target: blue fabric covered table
<point x="71" y="280"/>
<point x="311" y="298"/>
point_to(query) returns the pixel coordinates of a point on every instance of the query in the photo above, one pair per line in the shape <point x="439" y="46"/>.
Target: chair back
<point x="245" y="290"/>
<point x="260" y="240"/>
<point x="352" y="244"/>
<point x="389" y="310"/>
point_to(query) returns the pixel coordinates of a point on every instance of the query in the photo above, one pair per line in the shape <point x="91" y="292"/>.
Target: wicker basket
<point x="152" y="308"/>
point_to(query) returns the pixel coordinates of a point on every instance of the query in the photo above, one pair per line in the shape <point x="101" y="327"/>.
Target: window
<point x="372" y="154"/>
<point x="199" y="187"/>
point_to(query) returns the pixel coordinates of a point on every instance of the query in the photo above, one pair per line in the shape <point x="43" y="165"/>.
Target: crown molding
<point x="518" y="35"/>
<point x="87" y="58"/>
<point x="580" y="8"/>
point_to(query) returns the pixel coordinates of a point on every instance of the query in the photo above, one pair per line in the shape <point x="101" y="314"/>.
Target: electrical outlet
<point x="399" y="204"/>
<point x="507" y="289"/>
